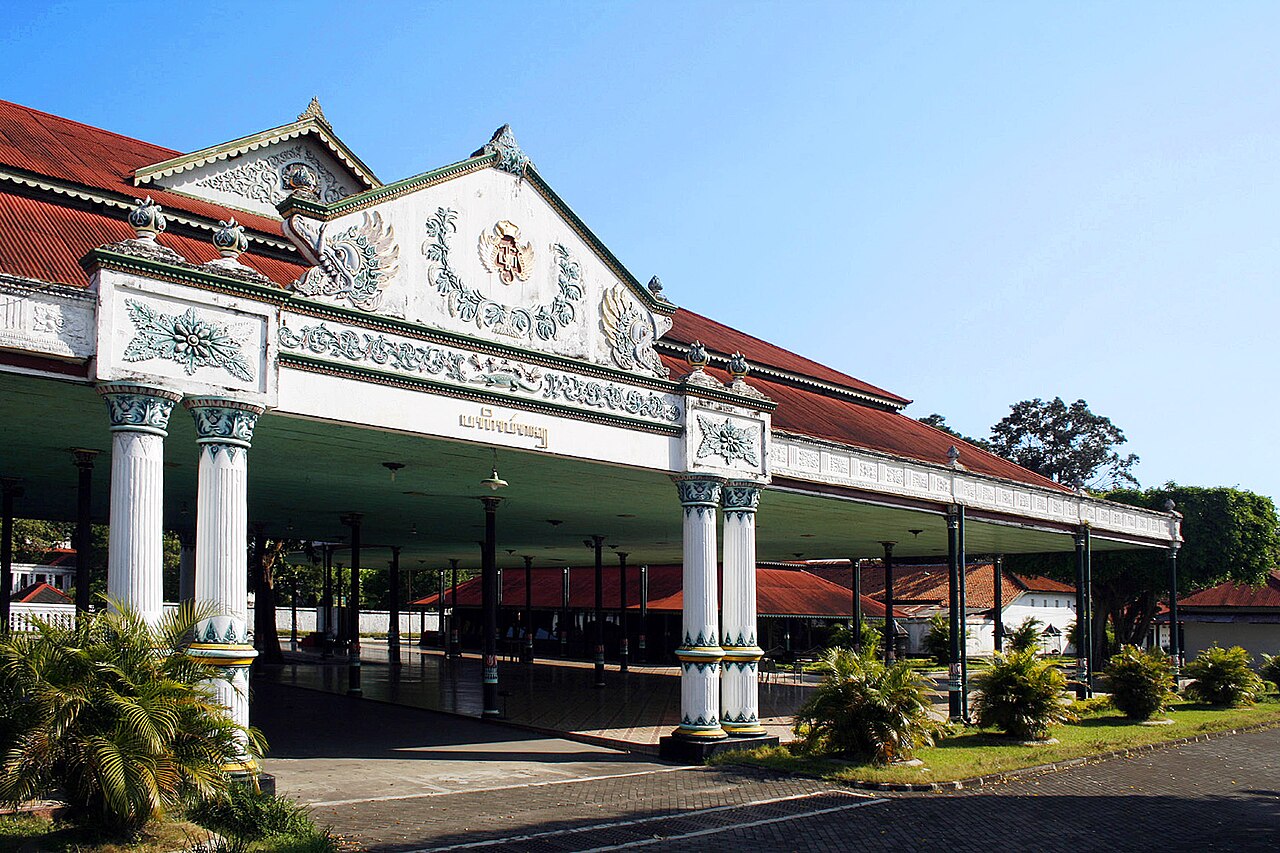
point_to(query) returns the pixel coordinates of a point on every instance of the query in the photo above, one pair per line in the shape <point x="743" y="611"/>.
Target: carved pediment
<point x="489" y="254"/>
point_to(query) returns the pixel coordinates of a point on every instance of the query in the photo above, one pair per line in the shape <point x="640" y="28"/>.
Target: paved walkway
<point x="632" y="712"/>
<point x="397" y="778"/>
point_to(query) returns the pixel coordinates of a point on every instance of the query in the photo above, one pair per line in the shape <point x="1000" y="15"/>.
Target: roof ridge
<point x="88" y="126"/>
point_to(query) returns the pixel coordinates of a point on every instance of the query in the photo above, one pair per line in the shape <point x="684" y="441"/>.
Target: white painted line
<point x="864" y="800"/>
<point x="749" y="824"/>
<point x="391" y="797"/>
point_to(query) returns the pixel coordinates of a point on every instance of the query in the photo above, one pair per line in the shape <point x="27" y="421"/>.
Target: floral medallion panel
<point x="726" y="440"/>
<point x="193" y="341"/>
<point x="486" y="255"/>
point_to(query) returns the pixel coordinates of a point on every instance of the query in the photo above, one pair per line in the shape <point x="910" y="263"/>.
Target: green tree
<point x="1067" y="444"/>
<point x="939" y="422"/>
<point x="1026" y="636"/>
<point x="115" y="717"/>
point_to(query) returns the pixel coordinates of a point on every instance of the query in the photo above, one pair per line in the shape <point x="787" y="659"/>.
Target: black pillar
<point x="997" y="571"/>
<point x="644" y="613"/>
<point x="326" y="603"/>
<point x="257" y="561"/>
<point x="597" y="542"/>
<point x="293" y="613"/>
<point x="890" y="654"/>
<point x="623" y="650"/>
<point x="527" y="654"/>
<point x="856" y="591"/>
<point x="1082" y="617"/>
<point x="353" y="521"/>
<point x="84" y="525"/>
<point x="455" y="638"/>
<point x="1175" y="642"/>
<point x="954" y="704"/>
<point x="489" y="591"/>
<point x="441" y="636"/>
<point x="564" y="613"/>
<point x="9" y="491"/>
<point x="393" y="628"/>
<point x="964" y="617"/>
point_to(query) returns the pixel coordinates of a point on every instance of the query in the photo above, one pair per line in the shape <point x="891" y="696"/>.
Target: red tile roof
<point x="40" y="593"/>
<point x="928" y="584"/>
<point x="1238" y="595"/>
<point x="779" y="592"/>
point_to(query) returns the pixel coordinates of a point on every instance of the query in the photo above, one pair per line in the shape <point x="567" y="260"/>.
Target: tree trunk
<point x="267" y="638"/>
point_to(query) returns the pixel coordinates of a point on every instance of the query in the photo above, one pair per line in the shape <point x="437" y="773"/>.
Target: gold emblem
<point x="502" y="253"/>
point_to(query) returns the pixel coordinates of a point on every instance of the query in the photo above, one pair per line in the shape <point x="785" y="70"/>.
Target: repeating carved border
<point x="813" y="461"/>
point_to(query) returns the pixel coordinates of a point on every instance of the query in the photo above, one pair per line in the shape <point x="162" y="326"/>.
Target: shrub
<point x="937" y="641"/>
<point x="1025" y="637"/>
<point x="1271" y="669"/>
<point x="1141" y="682"/>
<point x="868" y="710"/>
<point x="872" y="635"/>
<point x="1223" y="677"/>
<point x="1022" y="696"/>
<point x="244" y="816"/>
<point x="114" y="716"/>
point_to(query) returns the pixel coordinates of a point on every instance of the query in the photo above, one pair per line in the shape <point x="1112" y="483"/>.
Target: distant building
<point x="1232" y="614"/>
<point x="58" y="570"/>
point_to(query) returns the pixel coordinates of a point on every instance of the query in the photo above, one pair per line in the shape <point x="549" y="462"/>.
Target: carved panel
<point x="46" y="322"/>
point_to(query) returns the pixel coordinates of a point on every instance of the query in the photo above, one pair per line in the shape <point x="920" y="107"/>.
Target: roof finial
<point x="655" y="287"/>
<point x="510" y="156"/>
<point x="313" y="111"/>
<point x="229" y="239"/>
<point x="147" y="219"/>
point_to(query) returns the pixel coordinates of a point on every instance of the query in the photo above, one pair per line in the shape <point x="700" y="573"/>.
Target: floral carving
<point x="471" y="306"/>
<point x="268" y="180"/>
<point x="728" y="441"/>
<point x="187" y="339"/>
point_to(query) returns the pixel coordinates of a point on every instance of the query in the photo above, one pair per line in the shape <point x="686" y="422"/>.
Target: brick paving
<point x="1222" y="794"/>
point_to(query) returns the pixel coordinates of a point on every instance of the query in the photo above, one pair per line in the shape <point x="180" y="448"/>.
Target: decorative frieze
<point x="401" y="354"/>
<point x="268" y="180"/>
<point x="47" y="321"/>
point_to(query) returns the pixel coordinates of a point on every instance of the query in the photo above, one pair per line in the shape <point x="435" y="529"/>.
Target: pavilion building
<point x="427" y="369"/>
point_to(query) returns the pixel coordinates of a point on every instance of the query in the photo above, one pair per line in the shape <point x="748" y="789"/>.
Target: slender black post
<point x="890" y="654"/>
<point x="293" y="614"/>
<point x="623" y="650"/>
<point x="441" y="636"/>
<point x="1175" y="642"/>
<point x="326" y="604"/>
<point x="1092" y="652"/>
<point x="527" y="656"/>
<point x="955" y="708"/>
<point x="353" y="520"/>
<point x="1082" y="621"/>
<point x="598" y="543"/>
<point x="10" y="489"/>
<point x="564" y="613"/>
<point x="257" y="560"/>
<point x="964" y="619"/>
<point x="856" y="589"/>
<point x="84" y="525"/>
<point x="455" y="638"/>
<point x="644" y="612"/>
<point x="489" y="591"/>
<point x="393" y="629"/>
<point x="997" y="571"/>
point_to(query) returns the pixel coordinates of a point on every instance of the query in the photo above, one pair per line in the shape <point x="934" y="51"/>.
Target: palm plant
<point x="113" y="716"/>
<point x="1025" y="636"/>
<point x="1271" y="669"/>
<point x="1141" y="682"/>
<point x="1022" y="696"/>
<point x="1223" y="677"/>
<point x="868" y="710"/>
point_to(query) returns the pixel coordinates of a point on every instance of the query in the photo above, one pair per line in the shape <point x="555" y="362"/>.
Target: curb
<point x="1010" y="775"/>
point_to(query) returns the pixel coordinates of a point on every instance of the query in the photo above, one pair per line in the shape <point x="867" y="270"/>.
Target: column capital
<point x="740" y="496"/>
<point x="138" y="408"/>
<point x="223" y="420"/>
<point x="352" y="519"/>
<point x="698" y="490"/>
<point x="84" y="457"/>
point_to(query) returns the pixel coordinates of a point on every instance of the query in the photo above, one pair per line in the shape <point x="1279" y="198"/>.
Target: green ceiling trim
<point x="359" y="201"/>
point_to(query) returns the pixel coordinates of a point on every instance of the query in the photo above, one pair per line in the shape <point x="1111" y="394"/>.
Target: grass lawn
<point x="974" y="752"/>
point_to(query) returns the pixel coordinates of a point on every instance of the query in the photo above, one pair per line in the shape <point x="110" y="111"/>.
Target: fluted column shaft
<point x="139" y="420"/>
<point x="739" y="682"/>
<point x="224" y="429"/>
<point x="699" y="653"/>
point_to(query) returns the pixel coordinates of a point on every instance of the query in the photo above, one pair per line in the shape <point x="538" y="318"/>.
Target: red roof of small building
<point x="928" y="584"/>
<point x="40" y="593"/>
<point x="1238" y="595"/>
<point x="779" y="592"/>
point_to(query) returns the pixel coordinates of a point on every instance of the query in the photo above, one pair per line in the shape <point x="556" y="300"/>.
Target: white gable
<point x="487" y="256"/>
<point x="256" y="180"/>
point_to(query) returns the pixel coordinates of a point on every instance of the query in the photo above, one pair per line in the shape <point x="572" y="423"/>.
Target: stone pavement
<point x="396" y="778"/>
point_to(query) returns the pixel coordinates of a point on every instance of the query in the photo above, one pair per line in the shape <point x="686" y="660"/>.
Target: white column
<point x="224" y="429"/>
<point x="739" y="684"/>
<point x="700" y="652"/>
<point x="139" y="418"/>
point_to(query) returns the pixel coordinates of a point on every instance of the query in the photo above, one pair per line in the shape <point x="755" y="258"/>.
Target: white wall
<point x="1056" y="609"/>
<point x="1255" y="639"/>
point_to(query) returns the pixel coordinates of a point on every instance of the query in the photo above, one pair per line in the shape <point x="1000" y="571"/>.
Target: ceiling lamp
<point x="393" y="467"/>
<point x="493" y="481"/>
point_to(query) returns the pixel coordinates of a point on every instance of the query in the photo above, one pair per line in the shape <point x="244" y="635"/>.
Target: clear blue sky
<point x="968" y="204"/>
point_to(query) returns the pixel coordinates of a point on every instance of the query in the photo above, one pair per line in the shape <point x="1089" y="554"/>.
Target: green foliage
<point x="114" y="716"/>
<point x="1022" y="696"/>
<point x="1067" y="444"/>
<point x="1223" y="677"/>
<point x="1270" y="670"/>
<point x="937" y="641"/>
<point x="868" y="710"/>
<point x="1141" y="682"/>
<point x="244" y="816"/>
<point x="938" y="422"/>
<point x="1025" y="637"/>
<point x="841" y="636"/>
